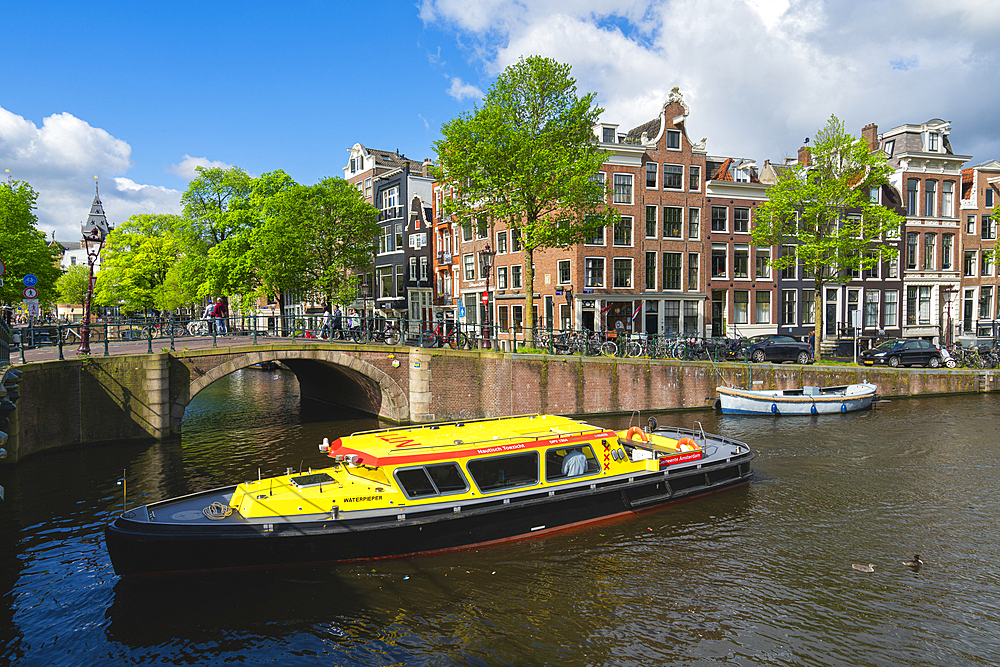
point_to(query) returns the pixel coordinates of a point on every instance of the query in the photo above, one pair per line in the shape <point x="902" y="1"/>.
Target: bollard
<point x="170" y="323"/>
<point x="149" y="340"/>
<point x="59" y="335"/>
<point x="106" y="338"/>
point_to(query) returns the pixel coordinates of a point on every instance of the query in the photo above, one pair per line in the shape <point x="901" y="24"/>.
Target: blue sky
<point x="141" y="93"/>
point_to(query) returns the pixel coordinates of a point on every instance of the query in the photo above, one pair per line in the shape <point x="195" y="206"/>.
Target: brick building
<point x="980" y="295"/>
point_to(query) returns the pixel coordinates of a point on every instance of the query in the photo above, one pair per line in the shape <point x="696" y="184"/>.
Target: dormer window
<point x="609" y="135"/>
<point x="932" y="142"/>
<point x="888" y="146"/>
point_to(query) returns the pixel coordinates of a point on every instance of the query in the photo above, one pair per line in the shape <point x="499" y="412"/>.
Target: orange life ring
<point x="636" y="431"/>
<point x="686" y="445"/>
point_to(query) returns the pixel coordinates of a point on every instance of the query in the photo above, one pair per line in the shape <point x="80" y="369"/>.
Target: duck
<point x="864" y="568"/>
<point x="915" y="563"/>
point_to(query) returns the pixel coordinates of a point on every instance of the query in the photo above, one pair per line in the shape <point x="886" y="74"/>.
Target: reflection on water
<point x="754" y="576"/>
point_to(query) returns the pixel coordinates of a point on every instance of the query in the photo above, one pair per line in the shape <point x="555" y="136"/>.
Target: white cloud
<point x="61" y="158"/>
<point x="759" y="75"/>
<point x="461" y="90"/>
<point x="186" y="167"/>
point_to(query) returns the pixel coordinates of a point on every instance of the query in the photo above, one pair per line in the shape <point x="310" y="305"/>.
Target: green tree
<point x="825" y="209"/>
<point x="71" y="286"/>
<point x="527" y="157"/>
<point x="24" y="249"/>
<point x="139" y="257"/>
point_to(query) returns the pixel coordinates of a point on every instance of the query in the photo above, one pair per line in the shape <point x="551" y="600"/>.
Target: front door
<point x="718" y="312"/>
<point x="831" y="312"/>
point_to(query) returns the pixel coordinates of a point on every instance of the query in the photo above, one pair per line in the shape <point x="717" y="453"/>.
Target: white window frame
<point x="631" y="272"/>
<point x="680" y="187"/>
<point x="591" y="261"/>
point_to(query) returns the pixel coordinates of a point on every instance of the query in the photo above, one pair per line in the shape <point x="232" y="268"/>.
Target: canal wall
<point x="142" y="397"/>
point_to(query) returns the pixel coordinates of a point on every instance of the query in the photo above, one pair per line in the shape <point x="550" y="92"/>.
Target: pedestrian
<point x="812" y="341"/>
<point x="353" y="320"/>
<point x="338" y="323"/>
<point x="327" y="323"/>
<point x="208" y="315"/>
<point x="220" y="314"/>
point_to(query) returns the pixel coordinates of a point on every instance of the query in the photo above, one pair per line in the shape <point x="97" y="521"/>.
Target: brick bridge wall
<point x="120" y="398"/>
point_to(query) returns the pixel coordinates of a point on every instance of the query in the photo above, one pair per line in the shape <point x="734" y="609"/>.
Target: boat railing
<point x="438" y="425"/>
<point x="493" y="441"/>
<point x="701" y="432"/>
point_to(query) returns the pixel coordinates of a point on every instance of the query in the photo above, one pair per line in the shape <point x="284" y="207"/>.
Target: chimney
<point x="870" y="134"/>
<point x="804" y="155"/>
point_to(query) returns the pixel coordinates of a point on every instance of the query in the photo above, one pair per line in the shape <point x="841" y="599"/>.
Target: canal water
<point x="756" y="576"/>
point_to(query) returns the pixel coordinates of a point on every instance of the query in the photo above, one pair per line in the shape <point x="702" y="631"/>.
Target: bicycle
<point x="435" y="337"/>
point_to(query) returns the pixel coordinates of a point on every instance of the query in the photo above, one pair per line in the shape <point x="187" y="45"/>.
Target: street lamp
<point x="486" y="257"/>
<point x="568" y="290"/>
<point x="365" y="291"/>
<point x="946" y="293"/>
<point x="95" y="230"/>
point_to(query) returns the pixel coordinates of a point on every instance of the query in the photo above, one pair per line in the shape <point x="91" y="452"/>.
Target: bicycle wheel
<point x="608" y="349"/>
<point x="198" y="328"/>
<point x="391" y="336"/>
<point x="461" y="341"/>
<point x="633" y="348"/>
<point x="428" y="339"/>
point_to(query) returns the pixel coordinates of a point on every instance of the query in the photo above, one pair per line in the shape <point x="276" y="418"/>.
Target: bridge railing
<point x="506" y="337"/>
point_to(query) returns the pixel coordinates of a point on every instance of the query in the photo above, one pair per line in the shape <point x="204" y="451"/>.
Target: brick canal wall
<point x="118" y="398"/>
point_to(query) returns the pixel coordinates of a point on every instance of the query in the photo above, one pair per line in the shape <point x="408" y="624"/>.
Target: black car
<point x="902" y="352"/>
<point x="778" y="348"/>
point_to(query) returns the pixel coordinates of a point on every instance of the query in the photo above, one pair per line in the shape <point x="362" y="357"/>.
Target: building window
<point x="985" y="265"/>
<point x="399" y="237"/>
<point x="989" y="227"/>
<point x="741" y="220"/>
<point x="673" y="175"/>
<point x="911" y="250"/>
<point x="718" y="261"/>
<point x="650" y="222"/>
<point x="911" y="196"/>
<point x="888" y="146"/>
<point x="674" y="139"/>
<point x="515" y="276"/>
<point x="693" y="272"/>
<point x="400" y="287"/>
<point x="788" y="307"/>
<point x="948" y="199"/>
<point x="517" y="317"/>
<point x="384" y="277"/>
<point x="501" y="277"/>
<point x="651" y="271"/>
<point x="969" y="268"/>
<point x="889" y="311"/>
<point x="918" y="305"/>
<point x="368" y="188"/>
<point x="970" y="225"/>
<point x="593" y="272"/>
<point x="788" y="272"/>
<point x="694" y="222"/>
<point x="871" y="309"/>
<point x="390" y="199"/>
<point x="623" y="231"/>
<point x="947" y="242"/>
<point x="808" y="306"/>
<point x="501" y="243"/>
<point x="741" y="303"/>
<point x="929" y="251"/>
<point x="651" y="169"/>
<point x="515" y="240"/>
<point x="623" y="272"/>
<point x="565" y="276"/>
<point x="893" y="269"/>
<point x="932" y="142"/>
<point x="741" y="261"/>
<point x="469" y="266"/>
<point x="986" y="302"/>
<point x="672" y="222"/>
<point x="623" y="189"/>
<point x="694" y="178"/>
<point x="763" y="263"/>
<point x="413" y="269"/>
<point x="671" y="317"/>
<point x="989" y="196"/>
<point x="930" y="189"/>
<point x="671" y="271"/>
<point x="503" y="321"/>
<point x="597" y="238"/>
<point x="385" y="240"/>
<point x="763" y="312"/>
<point x="719" y="218"/>
<point x="423" y="268"/>
<point x="690" y="317"/>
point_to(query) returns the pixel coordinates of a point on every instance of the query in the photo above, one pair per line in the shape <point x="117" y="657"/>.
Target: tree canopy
<point x="24" y="248"/>
<point x="527" y="158"/>
<point x="71" y="286"/>
<point x="826" y="210"/>
<point x="138" y="259"/>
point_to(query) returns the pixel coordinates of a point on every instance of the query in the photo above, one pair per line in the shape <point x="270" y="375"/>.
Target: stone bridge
<point x="144" y="396"/>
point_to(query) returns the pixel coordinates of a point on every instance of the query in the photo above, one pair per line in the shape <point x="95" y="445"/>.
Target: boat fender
<point x="325" y="446"/>
<point x="774" y="408"/>
<point x="813" y="409"/>
<point x="636" y="433"/>
<point x="687" y="445"/>
<point x="843" y="408"/>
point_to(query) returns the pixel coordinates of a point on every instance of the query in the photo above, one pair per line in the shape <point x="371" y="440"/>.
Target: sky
<point x="139" y="94"/>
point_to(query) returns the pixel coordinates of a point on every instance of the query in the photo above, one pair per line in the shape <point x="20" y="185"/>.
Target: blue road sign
<point x="30" y="280"/>
<point x="461" y="311"/>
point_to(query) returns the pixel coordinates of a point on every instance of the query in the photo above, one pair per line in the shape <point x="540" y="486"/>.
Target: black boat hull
<point x="145" y="548"/>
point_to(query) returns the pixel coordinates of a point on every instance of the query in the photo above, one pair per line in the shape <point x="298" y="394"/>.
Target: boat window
<point x="502" y="472"/>
<point x="576" y="461"/>
<point x="431" y="480"/>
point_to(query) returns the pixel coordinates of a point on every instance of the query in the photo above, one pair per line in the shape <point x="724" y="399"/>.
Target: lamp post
<point x="365" y="291"/>
<point x="946" y="293"/>
<point x="486" y="257"/>
<point x="568" y="290"/>
<point x="94" y="230"/>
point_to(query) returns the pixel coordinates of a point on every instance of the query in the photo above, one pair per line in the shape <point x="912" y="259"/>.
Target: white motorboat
<point x="804" y="401"/>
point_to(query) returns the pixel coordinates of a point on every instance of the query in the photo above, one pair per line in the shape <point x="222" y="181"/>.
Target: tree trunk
<point x="818" y="324"/>
<point x="529" y="297"/>
<point x="281" y="313"/>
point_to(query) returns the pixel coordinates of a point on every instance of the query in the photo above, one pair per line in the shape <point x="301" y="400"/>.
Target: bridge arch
<point x="329" y="376"/>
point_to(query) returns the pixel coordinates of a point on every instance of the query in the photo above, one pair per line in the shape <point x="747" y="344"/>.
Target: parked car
<point x="778" y="348"/>
<point x="902" y="352"/>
